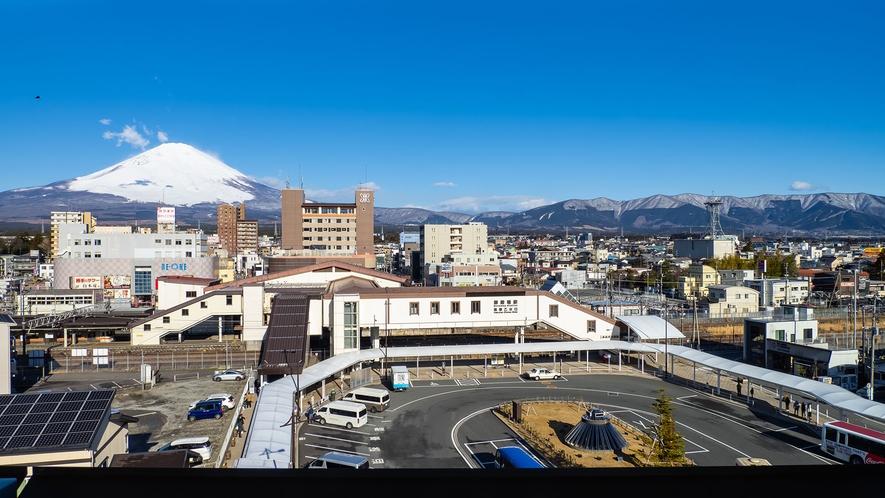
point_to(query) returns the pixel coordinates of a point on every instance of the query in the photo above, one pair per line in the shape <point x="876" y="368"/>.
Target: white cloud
<point x="162" y="136"/>
<point x="271" y="181"/>
<point x="146" y="131"/>
<point x="805" y="186"/>
<point x="105" y="121"/>
<point x="445" y="184"/>
<point x="473" y="205"/>
<point x="129" y="135"/>
<point x="344" y="193"/>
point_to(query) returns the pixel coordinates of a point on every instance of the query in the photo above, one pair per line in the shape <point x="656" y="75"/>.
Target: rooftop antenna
<point x="714" y="204"/>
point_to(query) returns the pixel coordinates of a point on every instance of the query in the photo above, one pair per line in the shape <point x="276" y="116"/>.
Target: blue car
<point x="206" y="409"/>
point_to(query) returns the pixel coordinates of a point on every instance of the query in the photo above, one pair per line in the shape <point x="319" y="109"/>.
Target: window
<point x="98" y="242"/>
<point x="203" y="304"/>
<point x="76" y="242"/>
<point x="230" y="300"/>
<point x="190" y="294"/>
<point x="88" y="255"/>
<point x="96" y="255"/>
<point x="351" y="329"/>
<point x="178" y="242"/>
<point x="434" y="308"/>
<point x="808" y="334"/>
<point x="474" y="307"/>
<point x="591" y="326"/>
<point x="456" y="307"/>
<point x="554" y="310"/>
<point x="168" y="242"/>
<point x="147" y="327"/>
<point x="188" y="242"/>
<point x="188" y="254"/>
<point x="185" y="312"/>
<point x="780" y="335"/>
<point x="413" y="308"/>
<point x="87" y="242"/>
<point x="166" y="319"/>
<point x="158" y="241"/>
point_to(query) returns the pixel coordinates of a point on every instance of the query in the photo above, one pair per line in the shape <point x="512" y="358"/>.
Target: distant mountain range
<point x="196" y="183"/>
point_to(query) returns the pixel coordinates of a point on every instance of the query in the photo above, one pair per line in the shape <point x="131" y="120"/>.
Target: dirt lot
<point x="545" y="426"/>
<point x="162" y="413"/>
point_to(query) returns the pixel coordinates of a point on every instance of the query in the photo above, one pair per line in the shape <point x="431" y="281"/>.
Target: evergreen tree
<point x="669" y="447"/>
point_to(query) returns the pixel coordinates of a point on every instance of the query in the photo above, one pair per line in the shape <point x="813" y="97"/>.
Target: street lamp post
<point x="666" y="342"/>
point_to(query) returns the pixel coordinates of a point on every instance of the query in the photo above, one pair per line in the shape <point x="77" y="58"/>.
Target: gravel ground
<point x="162" y="413"/>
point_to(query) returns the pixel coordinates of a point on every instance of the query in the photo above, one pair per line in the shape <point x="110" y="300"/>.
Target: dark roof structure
<point x="284" y="350"/>
<point x="52" y="421"/>
<point x="595" y="432"/>
<point x="175" y="459"/>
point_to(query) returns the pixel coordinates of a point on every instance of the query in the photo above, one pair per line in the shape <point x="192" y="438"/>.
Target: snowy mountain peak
<point x="172" y="173"/>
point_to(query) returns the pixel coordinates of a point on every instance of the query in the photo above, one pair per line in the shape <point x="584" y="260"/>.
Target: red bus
<point x="852" y="443"/>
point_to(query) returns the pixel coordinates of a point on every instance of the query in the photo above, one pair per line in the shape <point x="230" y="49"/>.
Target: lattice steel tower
<point x="713" y="208"/>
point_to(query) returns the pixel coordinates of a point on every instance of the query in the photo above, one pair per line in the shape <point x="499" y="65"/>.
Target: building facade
<point x="58" y="218"/>
<point x="228" y="217"/>
<point x="328" y="226"/>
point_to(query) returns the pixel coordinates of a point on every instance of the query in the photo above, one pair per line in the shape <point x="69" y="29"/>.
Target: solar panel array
<point x="7" y="318"/>
<point x="66" y="420"/>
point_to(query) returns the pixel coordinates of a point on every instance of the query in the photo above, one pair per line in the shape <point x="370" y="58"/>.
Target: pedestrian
<point x="796" y="408"/>
<point x="786" y="399"/>
<point x="804" y="409"/>
<point x="332" y="395"/>
<point x="249" y="399"/>
<point x="257" y="386"/>
<point x="241" y="425"/>
<point x="309" y="413"/>
<point x="752" y="393"/>
<point x="739" y="385"/>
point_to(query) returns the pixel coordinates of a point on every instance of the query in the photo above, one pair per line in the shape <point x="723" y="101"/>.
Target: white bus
<point x="852" y="443"/>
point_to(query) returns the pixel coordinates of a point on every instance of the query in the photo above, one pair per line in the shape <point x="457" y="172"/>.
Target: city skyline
<point x="467" y="108"/>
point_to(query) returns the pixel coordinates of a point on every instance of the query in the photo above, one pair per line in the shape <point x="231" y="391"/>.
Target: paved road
<point x="428" y="421"/>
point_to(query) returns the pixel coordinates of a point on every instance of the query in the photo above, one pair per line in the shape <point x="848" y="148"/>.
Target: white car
<point x="200" y="446"/>
<point x="541" y="374"/>
<point x="229" y="375"/>
<point x="227" y="401"/>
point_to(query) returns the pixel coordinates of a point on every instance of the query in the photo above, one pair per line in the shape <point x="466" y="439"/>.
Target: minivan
<point x="338" y="460"/>
<point x="202" y="446"/>
<point x="376" y="400"/>
<point x="343" y="413"/>
<point x="205" y="409"/>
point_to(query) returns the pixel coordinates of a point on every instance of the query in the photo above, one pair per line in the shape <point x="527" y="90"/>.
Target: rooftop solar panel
<point x="6" y="318"/>
<point x="52" y="420"/>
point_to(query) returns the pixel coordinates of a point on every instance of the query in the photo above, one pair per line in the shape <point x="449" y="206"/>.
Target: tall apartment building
<point x="62" y="217"/>
<point x="228" y="216"/>
<point x="438" y="241"/>
<point x="329" y="226"/>
<point x="247" y="236"/>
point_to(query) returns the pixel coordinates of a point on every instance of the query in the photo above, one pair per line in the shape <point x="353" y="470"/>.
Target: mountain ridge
<point x="196" y="183"/>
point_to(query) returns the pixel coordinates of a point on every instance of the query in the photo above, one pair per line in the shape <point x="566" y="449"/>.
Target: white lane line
<point x="144" y="414"/>
<point x="330" y="448"/>
<point x="341" y="439"/>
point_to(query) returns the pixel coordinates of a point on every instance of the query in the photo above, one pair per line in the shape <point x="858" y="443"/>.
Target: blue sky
<point x="459" y="105"/>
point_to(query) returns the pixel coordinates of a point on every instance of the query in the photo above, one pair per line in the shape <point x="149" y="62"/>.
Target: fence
<point x="131" y="362"/>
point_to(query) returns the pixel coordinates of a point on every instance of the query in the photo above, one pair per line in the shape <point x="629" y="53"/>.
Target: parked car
<point x="206" y="409"/>
<point x="200" y="448"/>
<point x="228" y="375"/>
<point x="541" y="374"/>
<point x="227" y="401"/>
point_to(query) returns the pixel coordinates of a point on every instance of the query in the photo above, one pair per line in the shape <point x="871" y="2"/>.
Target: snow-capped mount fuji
<point x="173" y="174"/>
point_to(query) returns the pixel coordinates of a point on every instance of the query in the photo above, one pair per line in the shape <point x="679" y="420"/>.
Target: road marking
<point x="323" y="436"/>
<point x="329" y="448"/>
<point x="785" y="429"/>
<point x="377" y="461"/>
<point x="144" y="414"/>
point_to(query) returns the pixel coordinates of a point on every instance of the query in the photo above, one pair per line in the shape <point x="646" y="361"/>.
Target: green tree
<point x="669" y="447"/>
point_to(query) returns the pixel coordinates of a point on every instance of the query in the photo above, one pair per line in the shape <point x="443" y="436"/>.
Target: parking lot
<point x="162" y="410"/>
<point x="316" y="440"/>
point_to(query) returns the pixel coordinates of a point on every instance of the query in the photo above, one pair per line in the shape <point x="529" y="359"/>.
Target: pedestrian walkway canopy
<point x="650" y="327"/>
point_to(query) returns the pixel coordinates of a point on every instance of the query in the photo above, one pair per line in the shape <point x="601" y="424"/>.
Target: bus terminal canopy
<point x="650" y="327"/>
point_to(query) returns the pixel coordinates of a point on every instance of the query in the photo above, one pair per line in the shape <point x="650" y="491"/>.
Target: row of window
<point x="455" y="309"/>
<point x="330" y="229"/>
<point x="177" y="242"/>
<point x="329" y="220"/>
<point x="87" y="255"/>
<point x="329" y="210"/>
<point x="88" y="242"/>
<point x="329" y="239"/>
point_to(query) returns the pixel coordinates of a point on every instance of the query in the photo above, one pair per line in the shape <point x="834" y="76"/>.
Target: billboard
<point x="165" y="214"/>
<point x="117" y="294"/>
<point x="117" y="281"/>
<point x="86" y="282"/>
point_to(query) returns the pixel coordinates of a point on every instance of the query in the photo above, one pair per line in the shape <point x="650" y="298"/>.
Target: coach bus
<point x="852" y="443"/>
<point x="514" y="457"/>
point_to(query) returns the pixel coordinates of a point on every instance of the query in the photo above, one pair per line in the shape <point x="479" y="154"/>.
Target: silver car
<point x="229" y="375"/>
